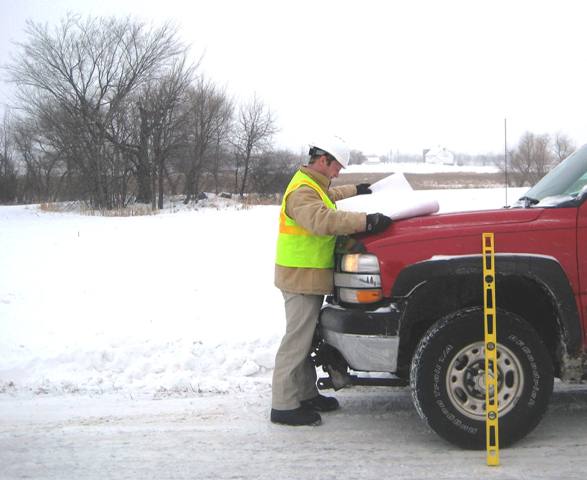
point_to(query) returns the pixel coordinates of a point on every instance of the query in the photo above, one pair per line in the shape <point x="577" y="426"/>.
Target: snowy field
<point x="418" y="167"/>
<point x="143" y="347"/>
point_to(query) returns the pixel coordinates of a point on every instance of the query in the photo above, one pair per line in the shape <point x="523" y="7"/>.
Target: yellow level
<point x="489" y="317"/>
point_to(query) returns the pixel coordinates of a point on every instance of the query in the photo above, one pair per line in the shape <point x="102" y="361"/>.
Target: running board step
<point x="326" y="383"/>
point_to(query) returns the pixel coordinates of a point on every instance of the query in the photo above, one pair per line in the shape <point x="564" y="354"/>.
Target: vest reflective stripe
<point x="296" y="246"/>
<point x="285" y="227"/>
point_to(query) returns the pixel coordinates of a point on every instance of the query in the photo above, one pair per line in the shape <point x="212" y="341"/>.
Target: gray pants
<point x="294" y="376"/>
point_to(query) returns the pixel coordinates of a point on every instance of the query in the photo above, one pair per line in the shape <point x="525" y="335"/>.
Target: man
<point x="308" y="225"/>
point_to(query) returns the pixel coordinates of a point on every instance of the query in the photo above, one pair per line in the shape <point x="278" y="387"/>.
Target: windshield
<point x="562" y="183"/>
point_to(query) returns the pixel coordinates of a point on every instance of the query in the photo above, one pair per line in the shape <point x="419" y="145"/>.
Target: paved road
<point x="376" y="435"/>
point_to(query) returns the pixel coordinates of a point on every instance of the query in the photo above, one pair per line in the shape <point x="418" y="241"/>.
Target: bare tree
<point x="85" y="70"/>
<point x="521" y="159"/>
<point x="534" y="156"/>
<point x="153" y="130"/>
<point x="255" y="127"/>
<point x="563" y="146"/>
<point x="210" y="114"/>
<point x="543" y="158"/>
<point x="531" y="159"/>
<point x="168" y="119"/>
<point x="357" y="157"/>
<point x="41" y="162"/>
<point x="272" y="170"/>
<point x="221" y="157"/>
<point x="8" y="181"/>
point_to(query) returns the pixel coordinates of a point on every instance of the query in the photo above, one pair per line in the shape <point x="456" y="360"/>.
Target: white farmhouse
<point x="439" y="156"/>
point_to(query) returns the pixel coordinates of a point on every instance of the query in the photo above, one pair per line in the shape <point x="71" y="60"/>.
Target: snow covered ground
<point x="176" y="302"/>
<point x="142" y="347"/>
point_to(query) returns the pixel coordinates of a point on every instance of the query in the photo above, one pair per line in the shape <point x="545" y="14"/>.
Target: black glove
<point x="363" y="188"/>
<point x="377" y="222"/>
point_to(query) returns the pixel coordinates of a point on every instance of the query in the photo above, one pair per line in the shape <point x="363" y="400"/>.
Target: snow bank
<point x="183" y="300"/>
<point x="164" y="304"/>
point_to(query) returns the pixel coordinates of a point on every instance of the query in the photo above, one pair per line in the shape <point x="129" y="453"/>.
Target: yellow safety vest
<point x="296" y="246"/>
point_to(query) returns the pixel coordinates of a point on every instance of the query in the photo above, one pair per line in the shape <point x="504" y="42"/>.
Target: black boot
<point x="320" y="403"/>
<point x="296" y="417"/>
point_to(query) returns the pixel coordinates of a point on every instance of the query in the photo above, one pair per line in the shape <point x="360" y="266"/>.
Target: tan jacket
<point x="305" y="206"/>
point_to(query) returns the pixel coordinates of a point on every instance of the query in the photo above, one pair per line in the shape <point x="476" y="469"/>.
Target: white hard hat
<point x="333" y="145"/>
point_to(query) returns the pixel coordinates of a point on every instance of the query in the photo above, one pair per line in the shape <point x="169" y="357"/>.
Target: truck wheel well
<point x="437" y="298"/>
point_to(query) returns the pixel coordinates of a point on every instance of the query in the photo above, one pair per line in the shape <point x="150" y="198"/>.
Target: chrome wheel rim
<point x="465" y="380"/>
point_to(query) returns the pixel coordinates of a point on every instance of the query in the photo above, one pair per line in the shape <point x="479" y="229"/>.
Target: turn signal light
<point x="352" y="295"/>
<point x="369" y="296"/>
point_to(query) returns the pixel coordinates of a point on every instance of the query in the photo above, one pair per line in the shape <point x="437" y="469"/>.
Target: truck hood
<point x="528" y="231"/>
<point x="453" y="225"/>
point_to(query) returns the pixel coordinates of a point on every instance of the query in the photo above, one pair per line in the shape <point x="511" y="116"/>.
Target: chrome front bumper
<point x="368" y="341"/>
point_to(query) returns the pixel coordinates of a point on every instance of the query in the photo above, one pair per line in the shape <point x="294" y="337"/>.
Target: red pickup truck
<point x="408" y="309"/>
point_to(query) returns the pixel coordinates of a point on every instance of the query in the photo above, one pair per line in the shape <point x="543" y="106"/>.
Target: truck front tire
<point x="447" y="377"/>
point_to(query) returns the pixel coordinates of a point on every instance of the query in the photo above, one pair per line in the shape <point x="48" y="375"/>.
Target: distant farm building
<point x="439" y="156"/>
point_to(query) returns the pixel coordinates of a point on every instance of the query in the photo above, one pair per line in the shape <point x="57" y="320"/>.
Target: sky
<point x="387" y="76"/>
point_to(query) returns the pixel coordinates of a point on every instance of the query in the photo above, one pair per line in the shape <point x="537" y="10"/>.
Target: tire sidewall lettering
<point x="534" y="377"/>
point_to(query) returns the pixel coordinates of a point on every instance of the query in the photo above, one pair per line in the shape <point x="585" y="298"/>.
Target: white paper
<point x="393" y="196"/>
<point x="397" y="182"/>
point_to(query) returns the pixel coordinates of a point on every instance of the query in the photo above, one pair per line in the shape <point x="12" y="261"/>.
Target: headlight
<point x="359" y="263"/>
<point x="358" y="280"/>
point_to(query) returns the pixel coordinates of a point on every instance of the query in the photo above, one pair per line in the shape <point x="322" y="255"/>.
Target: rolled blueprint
<point x="393" y="196"/>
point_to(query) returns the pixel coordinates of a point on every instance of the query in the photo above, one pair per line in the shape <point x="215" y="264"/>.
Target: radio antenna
<point x="505" y="157"/>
